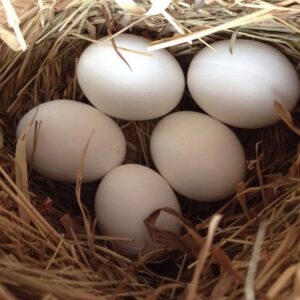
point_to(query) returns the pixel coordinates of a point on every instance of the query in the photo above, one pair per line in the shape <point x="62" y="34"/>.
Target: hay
<point x="59" y="254"/>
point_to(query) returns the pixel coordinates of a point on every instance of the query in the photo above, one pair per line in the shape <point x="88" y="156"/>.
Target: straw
<point x="58" y="252"/>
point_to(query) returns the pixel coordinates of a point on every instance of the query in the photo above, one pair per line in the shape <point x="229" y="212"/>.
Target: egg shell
<point x="240" y="88"/>
<point x="64" y="131"/>
<point x="126" y="196"/>
<point x="146" y="85"/>
<point x="200" y="157"/>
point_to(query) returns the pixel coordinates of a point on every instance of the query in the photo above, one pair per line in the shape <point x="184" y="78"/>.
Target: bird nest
<point x="247" y="247"/>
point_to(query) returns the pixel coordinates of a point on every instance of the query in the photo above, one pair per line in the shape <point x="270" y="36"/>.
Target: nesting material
<point x="50" y="248"/>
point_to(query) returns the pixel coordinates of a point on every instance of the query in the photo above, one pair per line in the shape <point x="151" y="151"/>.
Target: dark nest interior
<point x="50" y="247"/>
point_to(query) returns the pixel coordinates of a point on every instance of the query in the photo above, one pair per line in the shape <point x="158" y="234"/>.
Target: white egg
<point x="126" y="196"/>
<point x="65" y="127"/>
<point x="148" y="85"/>
<point x="200" y="157"/>
<point x="240" y="88"/>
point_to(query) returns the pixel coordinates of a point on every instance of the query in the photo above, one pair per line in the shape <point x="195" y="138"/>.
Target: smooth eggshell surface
<point x="200" y="157"/>
<point x="148" y="85"/>
<point x="64" y="131"/>
<point x="240" y="88"/>
<point x="127" y="195"/>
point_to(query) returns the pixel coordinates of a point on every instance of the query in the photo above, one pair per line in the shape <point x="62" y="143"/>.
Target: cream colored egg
<point x="200" y="157"/>
<point x="240" y="88"/>
<point x="127" y="195"/>
<point x="64" y="129"/>
<point x="133" y="84"/>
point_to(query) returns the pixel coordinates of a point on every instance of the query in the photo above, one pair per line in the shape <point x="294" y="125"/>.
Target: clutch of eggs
<point x="126" y="196"/>
<point x="239" y="87"/>
<point x="57" y="144"/>
<point x="129" y="82"/>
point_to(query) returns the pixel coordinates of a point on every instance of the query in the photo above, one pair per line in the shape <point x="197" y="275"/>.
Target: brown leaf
<point x="286" y="117"/>
<point x="169" y="239"/>
<point x="222" y="287"/>
<point x="45" y="206"/>
<point x="224" y="261"/>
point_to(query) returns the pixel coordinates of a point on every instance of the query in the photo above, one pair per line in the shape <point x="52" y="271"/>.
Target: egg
<point x="56" y="148"/>
<point x="130" y="83"/>
<point x="200" y="157"/>
<point x="240" y="88"/>
<point x="126" y="196"/>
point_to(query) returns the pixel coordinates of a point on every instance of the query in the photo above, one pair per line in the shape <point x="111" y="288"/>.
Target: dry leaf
<point x="286" y="117"/>
<point x="222" y="287"/>
<point x="46" y="205"/>
<point x="169" y="239"/>
<point x="224" y="261"/>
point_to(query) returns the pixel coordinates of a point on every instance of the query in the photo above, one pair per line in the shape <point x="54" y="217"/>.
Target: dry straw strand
<point x="13" y="21"/>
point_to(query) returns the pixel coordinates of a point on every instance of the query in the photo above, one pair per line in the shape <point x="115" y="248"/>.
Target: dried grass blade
<point x="261" y="15"/>
<point x="203" y="254"/>
<point x="158" y="7"/>
<point x="289" y="240"/>
<point x="21" y="169"/>
<point x="5" y="294"/>
<point x="249" y="284"/>
<point x="13" y="21"/>
<point x="78" y="197"/>
<point x="281" y="282"/>
<point x="156" y="294"/>
<point x="296" y="290"/>
<point x="55" y="253"/>
<point x="44" y="228"/>
<point x="1" y="138"/>
<point x="130" y="6"/>
<point x="286" y="117"/>
<point x="9" y="38"/>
